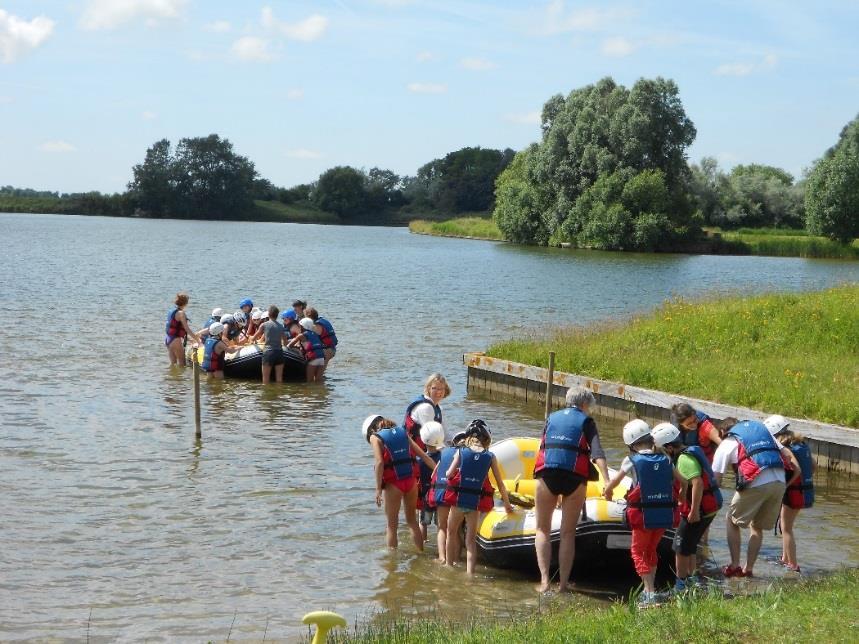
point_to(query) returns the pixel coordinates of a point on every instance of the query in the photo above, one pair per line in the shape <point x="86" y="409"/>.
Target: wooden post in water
<point x="196" y="367"/>
<point x="549" y="381"/>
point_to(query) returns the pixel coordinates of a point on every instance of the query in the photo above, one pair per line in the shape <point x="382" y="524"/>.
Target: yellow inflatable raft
<point x="507" y="541"/>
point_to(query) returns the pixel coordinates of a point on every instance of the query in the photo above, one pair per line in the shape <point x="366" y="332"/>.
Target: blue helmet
<point x="288" y="315"/>
<point x="246" y="302"/>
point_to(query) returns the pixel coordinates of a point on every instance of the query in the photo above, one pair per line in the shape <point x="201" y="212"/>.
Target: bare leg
<point x="734" y="538"/>
<point x="266" y="373"/>
<point x="454" y="521"/>
<point x="176" y="352"/>
<point x="571" y="510"/>
<point x="471" y="542"/>
<point x="393" y="500"/>
<point x="441" y="537"/>
<point x="756" y="538"/>
<point x="278" y="372"/>
<point x="544" y="507"/>
<point x="788" y="541"/>
<point x="424" y="530"/>
<point x="410" y="502"/>
<point x="649" y="581"/>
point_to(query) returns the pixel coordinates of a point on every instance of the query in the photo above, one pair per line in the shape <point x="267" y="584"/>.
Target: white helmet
<point x="307" y="324"/>
<point x="216" y="329"/>
<point x="256" y="315"/>
<point x="665" y="433"/>
<point x="776" y="424"/>
<point x="634" y="431"/>
<point x="432" y="434"/>
<point x="227" y="319"/>
<point x="365" y="426"/>
<point x="240" y="317"/>
<point x="217" y="313"/>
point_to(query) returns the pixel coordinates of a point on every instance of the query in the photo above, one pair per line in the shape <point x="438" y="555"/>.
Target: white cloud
<point x="307" y="30"/>
<point x="218" y="26"/>
<point x="18" y="36"/>
<point x="617" y="47"/>
<point x="251" y="49"/>
<point x="295" y="94"/>
<point x="109" y="14"/>
<point x="425" y="57"/>
<point x="476" y="64"/>
<point x="149" y="116"/>
<point x="57" y="146"/>
<point x="303" y="153"/>
<point x="557" y="20"/>
<point x="526" y="118"/>
<point x="427" y="88"/>
<point x="744" y="69"/>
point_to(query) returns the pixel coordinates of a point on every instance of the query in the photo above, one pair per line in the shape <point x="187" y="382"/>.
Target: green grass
<point x="779" y="242"/>
<point x="477" y="227"/>
<point x="795" y="354"/>
<point x="277" y="211"/>
<point x="819" y="610"/>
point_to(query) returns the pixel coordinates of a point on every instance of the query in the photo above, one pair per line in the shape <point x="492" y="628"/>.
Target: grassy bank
<point x="778" y="242"/>
<point x="795" y="354"/>
<point x="292" y="213"/>
<point x="474" y="227"/>
<point x="822" y="610"/>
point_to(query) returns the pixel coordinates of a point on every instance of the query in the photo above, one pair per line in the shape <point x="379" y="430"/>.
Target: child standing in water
<point x="438" y="487"/>
<point x="799" y="493"/>
<point x="432" y="435"/>
<point x="465" y="480"/>
<point x="651" y="504"/>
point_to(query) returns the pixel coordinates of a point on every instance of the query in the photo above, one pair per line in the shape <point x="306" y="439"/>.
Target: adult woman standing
<point x="272" y="354"/>
<point x="396" y="484"/>
<point x="177" y="329"/>
<point x="570" y="441"/>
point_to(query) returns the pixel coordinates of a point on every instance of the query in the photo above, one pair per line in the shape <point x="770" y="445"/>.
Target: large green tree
<point x="341" y="190"/>
<point x="153" y="187"/>
<point x="832" y="193"/>
<point x="607" y="131"/>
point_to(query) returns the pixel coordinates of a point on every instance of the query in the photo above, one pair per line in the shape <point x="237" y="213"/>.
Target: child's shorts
<point x="688" y="535"/>
<point x="429" y="516"/>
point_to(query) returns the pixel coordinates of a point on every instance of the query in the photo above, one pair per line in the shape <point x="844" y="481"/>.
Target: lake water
<point x="117" y="524"/>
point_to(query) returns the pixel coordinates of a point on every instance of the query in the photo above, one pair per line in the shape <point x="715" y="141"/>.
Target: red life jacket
<point x="711" y="498"/>
<point x="800" y="495"/>
<point x="487" y="497"/>
<point x="564" y="445"/>
<point x="652" y="503"/>
<point x="700" y="436"/>
<point x="175" y="329"/>
<point x="396" y="455"/>
<point x="465" y="489"/>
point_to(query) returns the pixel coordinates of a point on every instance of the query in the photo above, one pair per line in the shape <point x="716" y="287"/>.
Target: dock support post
<point x="198" y="430"/>
<point x="549" y="382"/>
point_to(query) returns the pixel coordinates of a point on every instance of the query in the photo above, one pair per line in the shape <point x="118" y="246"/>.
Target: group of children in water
<point x="674" y="484"/>
<point x="301" y="326"/>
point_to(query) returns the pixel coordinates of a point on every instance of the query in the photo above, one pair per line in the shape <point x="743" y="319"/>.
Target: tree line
<point x="611" y="172"/>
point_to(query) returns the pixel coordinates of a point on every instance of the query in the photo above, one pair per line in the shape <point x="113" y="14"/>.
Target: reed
<point x="474" y="227"/>
<point x="795" y="354"/>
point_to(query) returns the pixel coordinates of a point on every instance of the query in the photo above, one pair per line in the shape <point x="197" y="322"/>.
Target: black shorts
<point x="560" y="482"/>
<point x="688" y="535"/>
<point x="272" y="357"/>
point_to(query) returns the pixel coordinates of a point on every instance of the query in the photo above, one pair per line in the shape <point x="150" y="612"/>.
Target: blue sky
<point x="87" y="85"/>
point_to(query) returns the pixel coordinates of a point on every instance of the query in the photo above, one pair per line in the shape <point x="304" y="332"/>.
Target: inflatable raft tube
<point x="246" y="363"/>
<point x="602" y="539"/>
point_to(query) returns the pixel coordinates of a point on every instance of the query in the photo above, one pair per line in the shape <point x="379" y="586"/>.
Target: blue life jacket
<point x="711" y="498"/>
<point x="313" y="347"/>
<point x="426" y="472"/>
<point x="212" y="361"/>
<point x="691" y="437"/>
<point x="801" y="494"/>
<point x="756" y="451"/>
<point x="444" y="462"/>
<point x="211" y="321"/>
<point x="564" y="444"/>
<point x="651" y="503"/>
<point x="398" y="459"/>
<point x="328" y="337"/>
<point x="414" y="427"/>
<point x="173" y="328"/>
<point x="466" y="490"/>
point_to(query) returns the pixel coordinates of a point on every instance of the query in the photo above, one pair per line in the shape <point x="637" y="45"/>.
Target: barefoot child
<point x="700" y="505"/>
<point x="394" y="453"/>
<point x="432" y="435"/>
<point x="438" y="487"/>
<point x="799" y="493"/>
<point x="465" y="479"/>
<point x="651" y="503"/>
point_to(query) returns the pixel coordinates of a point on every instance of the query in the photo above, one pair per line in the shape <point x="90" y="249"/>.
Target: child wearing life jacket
<point x="700" y="505"/>
<point x="313" y="349"/>
<point x="799" y="493"/>
<point x="290" y="325"/>
<point x="214" y="351"/>
<point x="327" y="334"/>
<point x="438" y="487"/>
<point x="394" y="453"/>
<point x="651" y="503"/>
<point x="466" y="477"/>
<point x="697" y="428"/>
<point x="432" y="435"/>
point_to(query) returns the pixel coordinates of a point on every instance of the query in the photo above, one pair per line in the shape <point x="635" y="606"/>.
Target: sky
<point x="86" y="86"/>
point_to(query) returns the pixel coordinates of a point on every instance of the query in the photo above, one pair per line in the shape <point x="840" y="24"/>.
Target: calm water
<point x="111" y="508"/>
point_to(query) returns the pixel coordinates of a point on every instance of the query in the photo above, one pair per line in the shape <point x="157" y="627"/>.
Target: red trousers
<point x="643" y="549"/>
